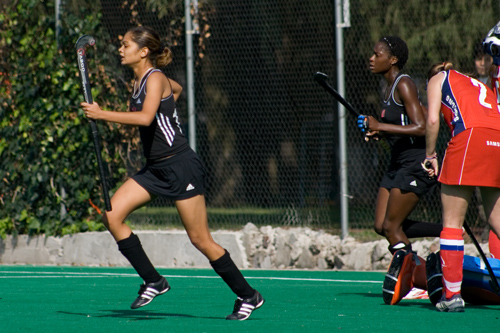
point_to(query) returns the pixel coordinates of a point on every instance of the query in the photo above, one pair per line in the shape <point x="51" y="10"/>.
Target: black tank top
<point x="163" y="137"/>
<point x="395" y="113"/>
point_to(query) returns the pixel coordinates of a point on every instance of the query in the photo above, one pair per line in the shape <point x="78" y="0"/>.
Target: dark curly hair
<point x="397" y="48"/>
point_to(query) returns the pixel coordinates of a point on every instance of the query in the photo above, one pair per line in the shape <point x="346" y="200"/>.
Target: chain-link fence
<point x="267" y="133"/>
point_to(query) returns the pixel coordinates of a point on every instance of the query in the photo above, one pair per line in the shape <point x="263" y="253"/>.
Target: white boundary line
<point x="31" y="275"/>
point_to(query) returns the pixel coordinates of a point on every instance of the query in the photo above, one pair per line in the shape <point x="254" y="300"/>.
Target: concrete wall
<point x="164" y="248"/>
<point x="251" y="247"/>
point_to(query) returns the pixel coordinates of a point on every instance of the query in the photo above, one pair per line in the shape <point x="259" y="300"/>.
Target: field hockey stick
<point x="81" y="45"/>
<point x="321" y="79"/>
<point x="493" y="279"/>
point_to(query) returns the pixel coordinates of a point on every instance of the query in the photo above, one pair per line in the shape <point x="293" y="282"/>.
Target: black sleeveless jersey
<point x="395" y="113"/>
<point x="163" y="137"/>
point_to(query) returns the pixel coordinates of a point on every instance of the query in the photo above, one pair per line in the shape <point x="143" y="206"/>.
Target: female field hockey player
<point x="491" y="46"/>
<point x="472" y="157"/>
<point x="403" y="125"/>
<point x="172" y="170"/>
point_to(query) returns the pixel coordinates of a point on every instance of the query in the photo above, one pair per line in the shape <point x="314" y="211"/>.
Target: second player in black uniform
<point x="403" y="125"/>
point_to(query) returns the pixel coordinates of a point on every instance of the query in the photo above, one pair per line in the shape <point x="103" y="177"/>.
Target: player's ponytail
<point x="164" y="58"/>
<point x="437" y="68"/>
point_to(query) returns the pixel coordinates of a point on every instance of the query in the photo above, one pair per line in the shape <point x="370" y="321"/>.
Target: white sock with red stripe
<point x="452" y="259"/>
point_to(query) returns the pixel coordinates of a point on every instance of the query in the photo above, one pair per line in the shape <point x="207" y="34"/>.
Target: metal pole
<point x="190" y="75"/>
<point x="339" y="38"/>
<point x="58" y="22"/>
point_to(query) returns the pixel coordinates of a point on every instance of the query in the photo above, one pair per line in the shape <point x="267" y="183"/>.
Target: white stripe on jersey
<point x="465" y="154"/>
<point x="497" y="85"/>
<point x="403" y="120"/>
<point x="165" y="127"/>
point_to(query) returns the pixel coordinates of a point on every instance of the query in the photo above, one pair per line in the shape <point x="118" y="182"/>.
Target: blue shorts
<point x="179" y="177"/>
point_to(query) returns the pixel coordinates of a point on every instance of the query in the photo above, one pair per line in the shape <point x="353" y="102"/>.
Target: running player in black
<point x="173" y="170"/>
<point x="403" y="125"/>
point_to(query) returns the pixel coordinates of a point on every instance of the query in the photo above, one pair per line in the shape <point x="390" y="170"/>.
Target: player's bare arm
<point x="176" y="89"/>
<point x="155" y="88"/>
<point x="406" y="94"/>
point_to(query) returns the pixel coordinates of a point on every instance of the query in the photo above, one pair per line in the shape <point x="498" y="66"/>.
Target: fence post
<point x="342" y="21"/>
<point x="58" y="22"/>
<point x="190" y="74"/>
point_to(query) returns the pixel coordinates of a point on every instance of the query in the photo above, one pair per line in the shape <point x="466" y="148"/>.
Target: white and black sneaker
<point x="148" y="291"/>
<point x="453" y="304"/>
<point x="243" y="307"/>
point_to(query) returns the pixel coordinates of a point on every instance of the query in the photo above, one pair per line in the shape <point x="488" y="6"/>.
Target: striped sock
<point x="452" y="259"/>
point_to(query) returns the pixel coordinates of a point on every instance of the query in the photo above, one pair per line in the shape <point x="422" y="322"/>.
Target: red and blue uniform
<point x="468" y="103"/>
<point x="471" y="112"/>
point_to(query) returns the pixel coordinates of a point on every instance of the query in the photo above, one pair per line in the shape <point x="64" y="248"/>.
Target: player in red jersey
<point x="470" y="110"/>
<point x="491" y="45"/>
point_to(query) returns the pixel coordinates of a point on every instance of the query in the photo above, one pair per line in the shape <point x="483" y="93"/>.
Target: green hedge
<point x="48" y="171"/>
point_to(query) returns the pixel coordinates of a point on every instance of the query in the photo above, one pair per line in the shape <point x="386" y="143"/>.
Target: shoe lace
<point x="142" y="289"/>
<point x="237" y="304"/>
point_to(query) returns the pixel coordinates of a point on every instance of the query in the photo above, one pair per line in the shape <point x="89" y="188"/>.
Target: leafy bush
<point x="48" y="171"/>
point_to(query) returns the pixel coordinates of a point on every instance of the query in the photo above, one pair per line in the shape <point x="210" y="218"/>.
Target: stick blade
<point x="320" y="77"/>
<point x="83" y="41"/>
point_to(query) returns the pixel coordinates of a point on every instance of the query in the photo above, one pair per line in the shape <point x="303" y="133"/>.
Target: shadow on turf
<point x="420" y="304"/>
<point x="407" y="302"/>
<point x="134" y="315"/>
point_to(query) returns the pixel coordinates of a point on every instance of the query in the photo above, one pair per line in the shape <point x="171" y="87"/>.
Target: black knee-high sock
<point x="227" y="270"/>
<point x="132" y="249"/>
<point x="415" y="229"/>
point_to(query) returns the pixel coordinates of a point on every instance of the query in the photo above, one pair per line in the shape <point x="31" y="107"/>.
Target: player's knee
<point x="379" y="230"/>
<point x="377" y="226"/>
<point x="105" y="220"/>
<point x="198" y="242"/>
<point x="202" y="243"/>
<point x="110" y="221"/>
<point x="387" y="228"/>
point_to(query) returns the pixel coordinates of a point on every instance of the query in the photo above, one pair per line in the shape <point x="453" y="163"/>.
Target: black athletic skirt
<point x="179" y="177"/>
<point x="406" y="173"/>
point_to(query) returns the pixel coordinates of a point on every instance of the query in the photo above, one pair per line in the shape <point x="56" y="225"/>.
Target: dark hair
<point x="159" y="54"/>
<point x="479" y="51"/>
<point x="398" y="48"/>
<point x="440" y="67"/>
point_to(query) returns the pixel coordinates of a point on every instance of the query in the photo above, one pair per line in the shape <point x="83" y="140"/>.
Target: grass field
<point x="97" y="299"/>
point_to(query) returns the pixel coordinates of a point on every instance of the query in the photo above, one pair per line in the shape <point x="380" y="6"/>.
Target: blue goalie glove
<point x="491" y="44"/>
<point x="363" y="123"/>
